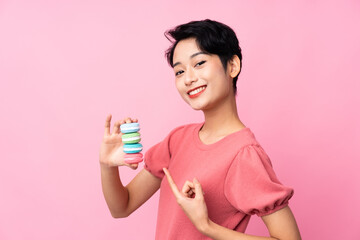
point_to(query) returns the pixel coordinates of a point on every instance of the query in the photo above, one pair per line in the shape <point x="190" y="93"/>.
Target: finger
<point x="116" y="129"/>
<point x="199" y="194"/>
<point x="191" y="194"/>
<point x="125" y="120"/>
<point x="187" y="187"/>
<point x="132" y="166"/>
<point x="128" y="120"/>
<point x="172" y="184"/>
<point x="107" y="125"/>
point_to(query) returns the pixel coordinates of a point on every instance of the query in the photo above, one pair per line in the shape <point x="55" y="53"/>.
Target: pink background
<point x="64" y="65"/>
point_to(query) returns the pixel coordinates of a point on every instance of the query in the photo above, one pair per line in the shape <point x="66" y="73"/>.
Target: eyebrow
<point x="192" y="56"/>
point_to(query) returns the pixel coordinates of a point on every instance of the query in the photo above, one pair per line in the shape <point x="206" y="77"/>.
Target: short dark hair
<point x="211" y="37"/>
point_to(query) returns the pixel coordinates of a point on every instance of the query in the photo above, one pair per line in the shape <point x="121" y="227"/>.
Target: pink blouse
<point x="235" y="173"/>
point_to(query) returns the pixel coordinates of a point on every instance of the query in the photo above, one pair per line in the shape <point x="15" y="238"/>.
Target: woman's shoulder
<point x="185" y="128"/>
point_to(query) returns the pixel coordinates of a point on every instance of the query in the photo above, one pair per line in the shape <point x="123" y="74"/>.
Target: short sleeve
<point x="159" y="155"/>
<point x="251" y="185"/>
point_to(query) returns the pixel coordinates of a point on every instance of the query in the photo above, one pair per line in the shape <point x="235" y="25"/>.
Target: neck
<point x="222" y="119"/>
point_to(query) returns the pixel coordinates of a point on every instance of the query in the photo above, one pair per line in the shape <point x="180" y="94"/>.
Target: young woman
<point x="217" y="174"/>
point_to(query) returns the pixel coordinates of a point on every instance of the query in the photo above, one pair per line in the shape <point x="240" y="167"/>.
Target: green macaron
<point x="131" y="138"/>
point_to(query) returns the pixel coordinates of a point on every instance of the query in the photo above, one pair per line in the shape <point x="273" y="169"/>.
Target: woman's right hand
<point x="111" y="149"/>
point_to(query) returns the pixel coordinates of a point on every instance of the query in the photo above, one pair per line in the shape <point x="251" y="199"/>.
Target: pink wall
<point x="64" y="65"/>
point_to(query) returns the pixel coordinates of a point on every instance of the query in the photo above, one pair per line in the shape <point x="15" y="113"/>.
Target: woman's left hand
<point x="191" y="200"/>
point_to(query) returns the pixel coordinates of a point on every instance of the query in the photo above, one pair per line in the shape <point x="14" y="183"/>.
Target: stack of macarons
<point x="131" y="139"/>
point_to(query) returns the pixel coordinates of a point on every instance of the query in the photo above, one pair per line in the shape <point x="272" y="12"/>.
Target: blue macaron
<point x="129" y="127"/>
<point x="133" y="148"/>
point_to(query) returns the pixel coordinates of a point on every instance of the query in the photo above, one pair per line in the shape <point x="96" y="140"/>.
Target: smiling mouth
<point x="196" y="92"/>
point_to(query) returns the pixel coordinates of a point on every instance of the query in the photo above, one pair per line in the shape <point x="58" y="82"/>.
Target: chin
<point x="198" y="106"/>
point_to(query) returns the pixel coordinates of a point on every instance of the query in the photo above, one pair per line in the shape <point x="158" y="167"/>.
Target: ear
<point x="234" y="66"/>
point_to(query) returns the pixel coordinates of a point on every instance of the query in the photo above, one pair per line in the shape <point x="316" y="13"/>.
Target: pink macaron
<point x="133" y="158"/>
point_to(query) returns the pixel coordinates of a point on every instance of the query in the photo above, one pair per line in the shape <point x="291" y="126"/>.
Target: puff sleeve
<point x="159" y="155"/>
<point x="251" y="185"/>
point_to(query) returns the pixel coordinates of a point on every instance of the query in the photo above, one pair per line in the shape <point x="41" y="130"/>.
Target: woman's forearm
<point x="218" y="232"/>
<point x="116" y="195"/>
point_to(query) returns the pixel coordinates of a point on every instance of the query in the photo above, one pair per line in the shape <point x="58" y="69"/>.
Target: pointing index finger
<point x="172" y="184"/>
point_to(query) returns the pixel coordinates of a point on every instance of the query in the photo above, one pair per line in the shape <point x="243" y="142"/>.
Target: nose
<point x="190" y="77"/>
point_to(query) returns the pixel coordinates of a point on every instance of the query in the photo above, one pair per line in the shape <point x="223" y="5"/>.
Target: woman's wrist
<point x="205" y="227"/>
<point x="213" y="230"/>
<point x="106" y="168"/>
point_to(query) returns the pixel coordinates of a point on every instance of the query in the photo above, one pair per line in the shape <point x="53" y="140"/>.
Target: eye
<point x="179" y="72"/>
<point x="200" y="63"/>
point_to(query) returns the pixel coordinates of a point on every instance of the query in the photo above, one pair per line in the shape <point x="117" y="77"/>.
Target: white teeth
<point x="196" y="91"/>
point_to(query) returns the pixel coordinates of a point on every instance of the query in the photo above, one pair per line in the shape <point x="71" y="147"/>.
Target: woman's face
<point x="200" y="77"/>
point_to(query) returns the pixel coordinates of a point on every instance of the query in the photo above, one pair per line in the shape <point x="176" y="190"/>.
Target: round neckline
<point x="204" y="146"/>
